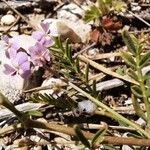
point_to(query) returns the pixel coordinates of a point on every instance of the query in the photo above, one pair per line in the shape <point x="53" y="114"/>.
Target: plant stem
<point x="115" y="115"/>
<point x="143" y="89"/>
<point x="28" y="123"/>
<point x="70" y="131"/>
<point x="6" y="103"/>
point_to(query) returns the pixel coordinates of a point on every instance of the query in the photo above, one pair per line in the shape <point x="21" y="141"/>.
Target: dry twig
<point x="70" y="131"/>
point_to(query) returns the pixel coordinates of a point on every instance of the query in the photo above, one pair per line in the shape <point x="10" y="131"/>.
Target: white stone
<point x="86" y="106"/>
<point x="136" y="8"/>
<point x="77" y="30"/>
<point x="71" y="14"/>
<point x="70" y="11"/>
<point x="93" y="52"/>
<point x="7" y="19"/>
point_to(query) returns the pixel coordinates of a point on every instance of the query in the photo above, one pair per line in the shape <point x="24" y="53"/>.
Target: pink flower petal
<point x="25" y="66"/>
<point x="12" y="52"/>
<point x="15" y="42"/>
<point x="26" y="70"/>
<point x="37" y="35"/>
<point x="22" y="57"/>
<point x="46" y="55"/>
<point x="5" y="38"/>
<point x="9" y="70"/>
<point x="45" y="26"/>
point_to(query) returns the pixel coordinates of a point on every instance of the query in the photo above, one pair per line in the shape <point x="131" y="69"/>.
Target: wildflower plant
<point x="19" y="65"/>
<point x="44" y="36"/>
<point x="102" y="8"/>
<point x="64" y="55"/>
<point x="137" y="59"/>
<point x="39" y="54"/>
<point x="23" y="61"/>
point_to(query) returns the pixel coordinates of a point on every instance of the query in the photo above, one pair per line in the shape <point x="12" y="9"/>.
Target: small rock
<point x="13" y="33"/>
<point x="7" y="20"/>
<point x="36" y="148"/>
<point x="86" y="106"/>
<point x="35" y="138"/>
<point x="59" y="27"/>
<point x="37" y="10"/>
<point x="67" y="32"/>
<point x="76" y="31"/>
<point x="136" y="8"/>
<point x="70" y="12"/>
<point x="141" y="122"/>
<point x="93" y="52"/>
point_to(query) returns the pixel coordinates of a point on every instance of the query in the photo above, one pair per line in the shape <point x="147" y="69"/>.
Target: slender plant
<point x="102" y="8"/>
<point x="63" y="55"/>
<point x="137" y="59"/>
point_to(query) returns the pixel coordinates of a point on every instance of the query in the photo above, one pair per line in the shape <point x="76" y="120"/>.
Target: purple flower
<point x="42" y="36"/>
<point x="45" y="27"/>
<point x="12" y="45"/>
<point x="45" y="40"/>
<point x="20" y="65"/>
<point x="39" y="54"/>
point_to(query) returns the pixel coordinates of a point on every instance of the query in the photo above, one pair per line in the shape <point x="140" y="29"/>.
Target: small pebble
<point x="86" y="106"/>
<point x="13" y="33"/>
<point x="93" y="52"/>
<point x="136" y="8"/>
<point x="7" y="19"/>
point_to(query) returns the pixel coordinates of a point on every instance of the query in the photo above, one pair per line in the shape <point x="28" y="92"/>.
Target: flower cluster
<point x="27" y="52"/>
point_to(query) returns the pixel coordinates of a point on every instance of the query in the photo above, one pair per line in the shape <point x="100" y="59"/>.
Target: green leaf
<point x="145" y="59"/>
<point x="66" y="48"/>
<point x="92" y="14"/>
<point x="136" y="90"/>
<point x="77" y="65"/>
<point x="67" y="102"/>
<point x="140" y="48"/>
<point x="68" y="51"/>
<point x="129" y="42"/>
<point x="35" y="113"/>
<point x="132" y="74"/>
<point x="147" y="78"/>
<point x="122" y="70"/>
<point x="81" y="137"/>
<point x="98" y="137"/>
<point x="119" y="5"/>
<point x="128" y="59"/>
<point x="148" y="92"/>
<point x="108" y="2"/>
<point x="137" y="108"/>
<point x="58" y="43"/>
<point x="104" y="6"/>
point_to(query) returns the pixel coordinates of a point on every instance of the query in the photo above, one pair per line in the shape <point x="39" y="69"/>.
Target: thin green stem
<point x="143" y="89"/>
<point x="6" y="103"/>
<point x="115" y="115"/>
